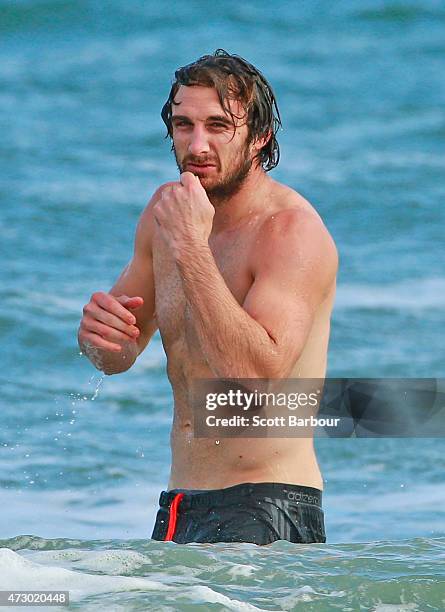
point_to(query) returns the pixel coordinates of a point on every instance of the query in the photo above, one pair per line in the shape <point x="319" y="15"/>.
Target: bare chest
<point x="172" y="310"/>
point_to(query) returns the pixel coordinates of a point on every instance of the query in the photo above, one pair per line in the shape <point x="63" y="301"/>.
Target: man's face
<point x="204" y="141"/>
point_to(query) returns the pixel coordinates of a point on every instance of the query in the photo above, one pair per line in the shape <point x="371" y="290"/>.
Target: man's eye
<point x="216" y="124"/>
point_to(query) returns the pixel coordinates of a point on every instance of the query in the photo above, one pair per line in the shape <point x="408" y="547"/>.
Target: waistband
<point x="194" y="498"/>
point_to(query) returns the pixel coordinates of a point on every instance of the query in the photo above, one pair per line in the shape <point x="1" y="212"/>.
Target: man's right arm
<point x="117" y="326"/>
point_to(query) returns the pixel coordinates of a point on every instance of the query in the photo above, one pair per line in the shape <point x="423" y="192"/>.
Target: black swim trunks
<point x="251" y="512"/>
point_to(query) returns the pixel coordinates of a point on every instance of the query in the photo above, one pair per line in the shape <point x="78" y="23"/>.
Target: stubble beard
<point x="231" y="182"/>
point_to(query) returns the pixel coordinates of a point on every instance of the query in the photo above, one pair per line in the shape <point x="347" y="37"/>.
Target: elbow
<point x="271" y="369"/>
<point x="277" y="365"/>
<point x="272" y="372"/>
<point x="277" y="362"/>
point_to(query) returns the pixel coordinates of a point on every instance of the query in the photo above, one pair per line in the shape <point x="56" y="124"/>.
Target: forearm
<point x="234" y="344"/>
<point x="110" y="362"/>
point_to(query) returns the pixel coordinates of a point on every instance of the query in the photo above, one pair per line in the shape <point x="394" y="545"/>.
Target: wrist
<point x="186" y="251"/>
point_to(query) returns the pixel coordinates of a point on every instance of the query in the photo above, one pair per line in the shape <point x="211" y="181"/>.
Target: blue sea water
<point x="82" y="457"/>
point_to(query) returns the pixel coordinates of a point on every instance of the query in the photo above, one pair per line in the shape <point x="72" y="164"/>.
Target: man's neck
<point x="250" y="199"/>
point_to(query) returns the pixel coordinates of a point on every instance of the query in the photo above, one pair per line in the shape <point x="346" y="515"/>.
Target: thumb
<point x="130" y="302"/>
<point x="188" y="179"/>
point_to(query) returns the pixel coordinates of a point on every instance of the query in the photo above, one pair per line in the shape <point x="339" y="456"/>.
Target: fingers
<point x="113" y="305"/>
<point x="169" y="190"/>
<point x="107" y="323"/>
<point x="188" y="179"/>
<point x="160" y="190"/>
<point x="109" y="333"/>
<point x="130" y="302"/>
<point x="94" y="341"/>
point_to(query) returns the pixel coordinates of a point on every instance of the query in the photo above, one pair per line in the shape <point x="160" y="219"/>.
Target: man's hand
<point x="108" y="323"/>
<point x="184" y="213"/>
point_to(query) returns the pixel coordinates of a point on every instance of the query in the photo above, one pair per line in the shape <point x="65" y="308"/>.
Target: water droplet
<point x="99" y="384"/>
<point x="216" y="441"/>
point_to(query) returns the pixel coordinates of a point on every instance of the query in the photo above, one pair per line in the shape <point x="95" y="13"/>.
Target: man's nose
<point x="199" y="143"/>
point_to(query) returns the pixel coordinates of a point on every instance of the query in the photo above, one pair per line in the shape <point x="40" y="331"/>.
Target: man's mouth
<point x="192" y="166"/>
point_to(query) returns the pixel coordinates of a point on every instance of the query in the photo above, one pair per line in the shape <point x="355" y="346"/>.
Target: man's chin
<point x="206" y="181"/>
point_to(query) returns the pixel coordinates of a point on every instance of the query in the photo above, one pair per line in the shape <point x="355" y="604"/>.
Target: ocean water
<point x="83" y="457"/>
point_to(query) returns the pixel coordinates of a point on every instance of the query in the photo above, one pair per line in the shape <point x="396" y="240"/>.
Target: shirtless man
<point x="237" y="271"/>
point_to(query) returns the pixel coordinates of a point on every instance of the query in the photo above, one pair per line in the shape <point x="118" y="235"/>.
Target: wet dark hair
<point x="234" y="79"/>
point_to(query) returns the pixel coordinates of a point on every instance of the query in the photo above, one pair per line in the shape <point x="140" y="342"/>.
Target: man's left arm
<point x="294" y="270"/>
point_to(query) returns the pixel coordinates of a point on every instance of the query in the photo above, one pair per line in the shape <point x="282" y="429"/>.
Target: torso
<point x="199" y="463"/>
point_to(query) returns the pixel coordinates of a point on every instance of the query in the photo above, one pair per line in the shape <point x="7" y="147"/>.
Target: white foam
<point x="238" y="569"/>
<point x="18" y="573"/>
<point x="112" y="562"/>
<point x="395" y="607"/>
<point x="206" y="594"/>
<point x="306" y="594"/>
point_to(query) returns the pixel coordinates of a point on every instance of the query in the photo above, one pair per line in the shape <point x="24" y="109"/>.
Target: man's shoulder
<point x="294" y="220"/>
<point x="294" y="244"/>
<point x="146" y="224"/>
